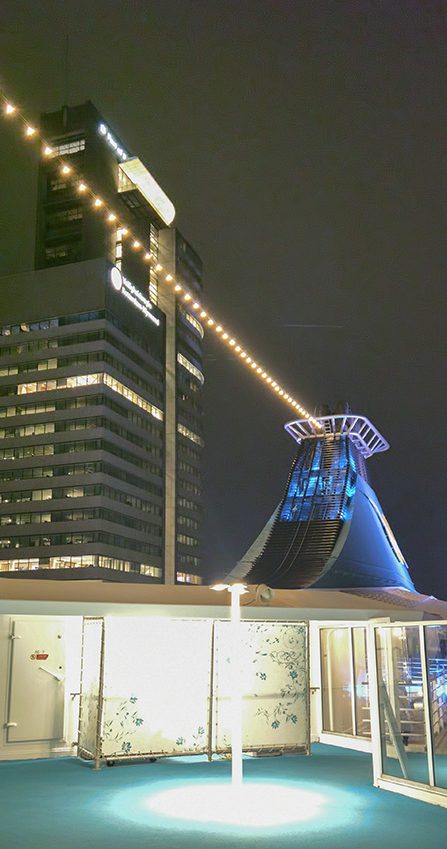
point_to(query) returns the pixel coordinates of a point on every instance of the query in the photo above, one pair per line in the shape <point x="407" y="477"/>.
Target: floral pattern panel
<point x="273" y="659"/>
<point x="156" y="686"/>
<point x="89" y="705"/>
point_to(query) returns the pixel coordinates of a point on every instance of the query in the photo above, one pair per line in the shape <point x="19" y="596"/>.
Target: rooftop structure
<point x="365" y="437"/>
<point x="329" y="530"/>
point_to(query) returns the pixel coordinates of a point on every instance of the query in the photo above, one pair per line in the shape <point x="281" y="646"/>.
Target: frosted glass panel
<point x="167" y="687"/>
<point x="90" y="685"/>
<point x="156" y="686"/>
<point x="273" y="657"/>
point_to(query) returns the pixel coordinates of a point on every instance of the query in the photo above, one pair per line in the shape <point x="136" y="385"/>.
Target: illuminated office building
<point x="329" y="530"/>
<point x="101" y="375"/>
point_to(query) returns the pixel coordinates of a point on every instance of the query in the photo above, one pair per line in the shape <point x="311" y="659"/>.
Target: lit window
<point x="89" y="380"/>
<point x="194" y="437"/>
<point x="189" y="366"/>
<point x="65" y="148"/>
<point x="183" y="539"/>
<point x="195" y="323"/>
<point x="153" y="287"/>
<point x="152" y="571"/>
<point x="188" y="578"/>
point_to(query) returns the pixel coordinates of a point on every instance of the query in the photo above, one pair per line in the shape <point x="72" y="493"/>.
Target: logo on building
<point x="116" y="278"/>
<point x="122" y="285"/>
<point x="112" y="142"/>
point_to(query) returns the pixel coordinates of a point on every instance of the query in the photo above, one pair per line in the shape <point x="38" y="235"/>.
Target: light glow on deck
<point x="252" y="805"/>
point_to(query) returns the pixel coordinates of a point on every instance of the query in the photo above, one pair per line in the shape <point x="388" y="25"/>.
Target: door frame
<point x="42" y="748"/>
<point x="318" y="733"/>
<point x="415" y="790"/>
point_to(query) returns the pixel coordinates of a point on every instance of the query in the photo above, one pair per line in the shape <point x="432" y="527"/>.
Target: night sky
<point x="303" y="146"/>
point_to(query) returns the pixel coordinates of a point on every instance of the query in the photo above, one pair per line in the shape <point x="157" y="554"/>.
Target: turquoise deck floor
<point x="65" y="804"/>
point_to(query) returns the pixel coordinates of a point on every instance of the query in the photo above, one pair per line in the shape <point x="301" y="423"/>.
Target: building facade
<point x="101" y="375"/>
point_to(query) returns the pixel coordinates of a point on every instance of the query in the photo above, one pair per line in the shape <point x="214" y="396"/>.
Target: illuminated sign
<point x="128" y="290"/>
<point x="112" y="142"/>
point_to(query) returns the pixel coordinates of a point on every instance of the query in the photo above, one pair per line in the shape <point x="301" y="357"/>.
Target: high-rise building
<point x="329" y="530"/>
<point x="101" y="374"/>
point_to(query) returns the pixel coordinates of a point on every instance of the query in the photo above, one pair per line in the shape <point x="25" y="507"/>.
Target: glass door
<point x="409" y="709"/>
<point x="344" y="681"/>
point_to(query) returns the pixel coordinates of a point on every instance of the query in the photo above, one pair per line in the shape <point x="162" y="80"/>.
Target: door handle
<point x="55" y="675"/>
<point x="11" y="725"/>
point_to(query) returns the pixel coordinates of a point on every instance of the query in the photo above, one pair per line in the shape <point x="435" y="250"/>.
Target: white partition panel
<point x="275" y="709"/>
<point x="91" y="685"/>
<point x="156" y="687"/>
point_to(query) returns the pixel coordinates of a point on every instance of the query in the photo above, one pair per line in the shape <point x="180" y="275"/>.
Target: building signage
<point x="112" y="142"/>
<point x="128" y="290"/>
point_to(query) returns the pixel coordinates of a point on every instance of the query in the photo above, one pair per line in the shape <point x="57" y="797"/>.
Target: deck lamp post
<point x="235" y="590"/>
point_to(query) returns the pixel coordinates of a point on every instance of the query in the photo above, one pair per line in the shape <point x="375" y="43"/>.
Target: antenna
<point x="66" y="72"/>
<point x="66" y="69"/>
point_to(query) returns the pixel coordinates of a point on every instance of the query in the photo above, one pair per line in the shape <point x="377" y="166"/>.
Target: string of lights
<point x="66" y="170"/>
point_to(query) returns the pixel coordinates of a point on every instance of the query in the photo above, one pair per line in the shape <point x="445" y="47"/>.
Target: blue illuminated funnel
<point x="329" y="530"/>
